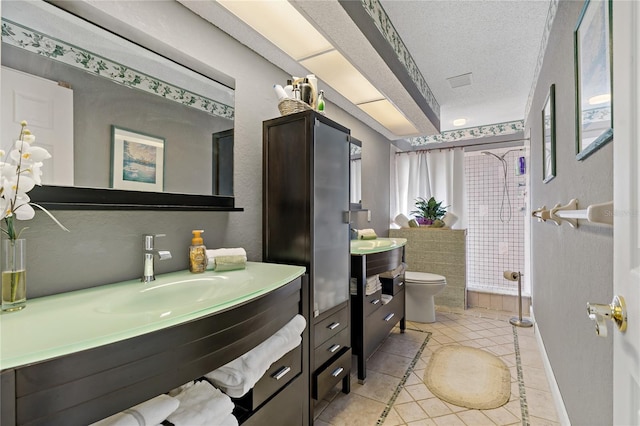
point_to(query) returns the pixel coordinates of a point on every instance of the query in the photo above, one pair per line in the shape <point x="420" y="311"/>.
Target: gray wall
<point x="105" y="247"/>
<point x="571" y="267"/>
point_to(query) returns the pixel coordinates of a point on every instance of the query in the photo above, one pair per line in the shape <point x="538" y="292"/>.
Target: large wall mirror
<point x="127" y="128"/>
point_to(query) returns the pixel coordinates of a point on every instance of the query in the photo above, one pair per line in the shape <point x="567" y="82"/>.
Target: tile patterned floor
<point x="396" y="363"/>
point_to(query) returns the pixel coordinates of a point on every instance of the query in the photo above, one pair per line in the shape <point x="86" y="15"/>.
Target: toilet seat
<point x="423" y="278"/>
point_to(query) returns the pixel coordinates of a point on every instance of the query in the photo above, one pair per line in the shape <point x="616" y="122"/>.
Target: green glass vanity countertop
<point x="64" y="323"/>
<point x="378" y="245"/>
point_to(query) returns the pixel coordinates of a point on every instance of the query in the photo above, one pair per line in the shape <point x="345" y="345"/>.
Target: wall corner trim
<point x="563" y="416"/>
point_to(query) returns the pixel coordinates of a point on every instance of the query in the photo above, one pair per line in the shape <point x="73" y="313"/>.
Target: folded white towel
<point x="367" y="234"/>
<point x="151" y="412"/>
<point x="230" y="420"/>
<point x="394" y="272"/>
<point x="386" y="298"/>
<point x="238" y="376"/>
<point x="201" y="405"/>
<point x="213" y="253"/>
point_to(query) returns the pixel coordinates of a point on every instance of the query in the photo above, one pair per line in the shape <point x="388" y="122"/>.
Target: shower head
<point x="501" y="157"/>
<point x="492" y="154"/>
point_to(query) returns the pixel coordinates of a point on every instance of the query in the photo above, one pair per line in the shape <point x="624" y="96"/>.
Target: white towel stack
<point x="151" y="412"/>
<point x="203" y="405"/>
<point x="237" y="255"/>
<point x="373" y="284"/>
<point x="238" y="376"/>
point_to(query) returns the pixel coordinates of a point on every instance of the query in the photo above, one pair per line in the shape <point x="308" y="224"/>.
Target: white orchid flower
<point x="20" y="172"/>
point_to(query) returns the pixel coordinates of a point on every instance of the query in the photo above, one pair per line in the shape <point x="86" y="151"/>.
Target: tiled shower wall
<point x="494" y="246"/>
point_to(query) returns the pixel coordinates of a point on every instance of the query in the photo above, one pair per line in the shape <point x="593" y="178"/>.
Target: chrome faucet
<point x="149" y="252"/>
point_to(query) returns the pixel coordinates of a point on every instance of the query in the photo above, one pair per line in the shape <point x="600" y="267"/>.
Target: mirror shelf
<point x="64" y="198"/>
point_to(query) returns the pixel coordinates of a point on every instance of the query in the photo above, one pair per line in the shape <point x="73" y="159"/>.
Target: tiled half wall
<point x="438" y="251"/>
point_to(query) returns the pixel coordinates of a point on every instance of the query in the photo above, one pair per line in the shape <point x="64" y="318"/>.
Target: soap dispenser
<point x="197" y="253"/>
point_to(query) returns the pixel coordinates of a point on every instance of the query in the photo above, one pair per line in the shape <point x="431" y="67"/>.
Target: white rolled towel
<point x="367" y="234"/>
<point x="201" y="405"/>
<point x="402" y="221"/>
<point x="238" y="376"/>
<point x="151" y="412"/>
<point x="213" y="253"/>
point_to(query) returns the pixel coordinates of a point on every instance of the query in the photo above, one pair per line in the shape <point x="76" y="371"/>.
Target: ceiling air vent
<point x="460" y="80"/>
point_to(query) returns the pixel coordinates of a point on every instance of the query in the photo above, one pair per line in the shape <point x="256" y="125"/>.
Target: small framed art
<point x="137" y="160"/>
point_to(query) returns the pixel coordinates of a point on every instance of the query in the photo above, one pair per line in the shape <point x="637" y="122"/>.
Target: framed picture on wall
<point x="549" y="136"/>
<point x="592" y="44"/>
<point x="137" y="160"/>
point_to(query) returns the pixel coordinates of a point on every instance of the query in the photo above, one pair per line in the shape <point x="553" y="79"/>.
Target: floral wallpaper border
<point x="551" y="15"/>
<point x="384" y="25"/>
<point x="498" y="129"/>
<point x="22" y="37"/>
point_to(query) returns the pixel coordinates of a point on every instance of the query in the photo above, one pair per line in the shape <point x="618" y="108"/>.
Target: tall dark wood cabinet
<point x="305" y="222"/>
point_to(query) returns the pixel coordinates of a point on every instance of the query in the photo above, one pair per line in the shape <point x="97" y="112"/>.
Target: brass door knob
<point x="615" y="311"/>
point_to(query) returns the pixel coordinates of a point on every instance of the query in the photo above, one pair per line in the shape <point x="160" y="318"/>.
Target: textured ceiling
<point x="497" y="41"/>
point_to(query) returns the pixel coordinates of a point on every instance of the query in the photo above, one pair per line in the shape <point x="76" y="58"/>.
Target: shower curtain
<point x="426" y="174"/>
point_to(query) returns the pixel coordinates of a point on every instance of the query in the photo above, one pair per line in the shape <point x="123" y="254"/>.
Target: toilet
<point x="420" y="288"/>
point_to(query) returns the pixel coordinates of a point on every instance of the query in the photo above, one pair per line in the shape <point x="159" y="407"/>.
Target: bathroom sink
<point x="170" y="296"/>
<point x="377" y="245"/>
<point x="84" y="319"/>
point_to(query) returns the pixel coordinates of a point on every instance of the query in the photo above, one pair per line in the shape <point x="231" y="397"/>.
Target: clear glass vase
<point x="14" y="274"/>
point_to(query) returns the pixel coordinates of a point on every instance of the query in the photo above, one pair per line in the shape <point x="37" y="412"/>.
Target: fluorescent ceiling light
<point x="281" y="24"/>
<point x="389" y="116"/>
<point x="337" y="72"/>
<point x="460" y="122"/>
<point x="600" y="99"/>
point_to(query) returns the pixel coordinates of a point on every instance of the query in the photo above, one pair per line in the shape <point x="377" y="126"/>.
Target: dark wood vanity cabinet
<point x="371" y="320"/>
<point x="305" y="222"/>
<point x="86" y="386"/>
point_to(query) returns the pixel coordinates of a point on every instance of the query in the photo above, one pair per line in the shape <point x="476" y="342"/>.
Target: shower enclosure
<point x="497" y="216"/>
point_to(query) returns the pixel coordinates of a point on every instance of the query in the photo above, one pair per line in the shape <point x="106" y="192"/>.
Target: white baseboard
<point x="563" y="416"/>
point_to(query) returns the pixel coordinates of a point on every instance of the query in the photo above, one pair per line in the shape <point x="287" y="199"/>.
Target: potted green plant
<point x="429" y="211"/>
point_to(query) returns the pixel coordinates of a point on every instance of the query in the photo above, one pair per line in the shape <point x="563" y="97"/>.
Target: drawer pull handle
<point x="333" y="325"/>
<point x="337" y="371"/>
<point x="375" y="301"/>
<point x="388" y="317"/>
<point x="281" y="373"/>
<point x="333" y="348"/>
<point x="401" y="283"/>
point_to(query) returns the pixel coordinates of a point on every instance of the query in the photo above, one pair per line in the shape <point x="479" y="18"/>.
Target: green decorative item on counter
<point x="429" y="211"/>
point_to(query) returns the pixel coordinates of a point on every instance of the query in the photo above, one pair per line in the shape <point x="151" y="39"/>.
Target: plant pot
<point x="423" y="221"/>
<point x="14" y="275"/>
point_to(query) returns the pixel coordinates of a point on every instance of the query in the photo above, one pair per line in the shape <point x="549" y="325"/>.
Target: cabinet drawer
<point x="331" y="347"/>
<point x="331" y="326"/>
<point x="280" y="410"/>
<point x="372" y="303"/>
<point x="325" y="379"/>
<point x="380" y="323"/>
<point x="392" y="285"/>
<point x="277" y="376"/>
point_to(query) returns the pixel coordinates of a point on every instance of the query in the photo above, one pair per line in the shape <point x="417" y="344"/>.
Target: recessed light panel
<point x="385" y="113"/>
<point x="280" y="22"/>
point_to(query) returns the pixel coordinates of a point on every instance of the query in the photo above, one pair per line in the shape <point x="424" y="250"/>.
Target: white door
<point x="626" y="201"/>
<point x="48" y="110"/>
